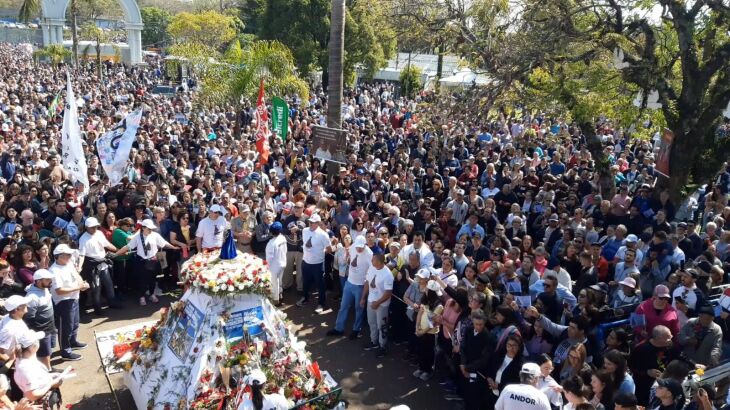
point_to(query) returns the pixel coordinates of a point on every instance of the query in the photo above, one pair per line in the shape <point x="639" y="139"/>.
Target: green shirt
<point x="120" y="238"/>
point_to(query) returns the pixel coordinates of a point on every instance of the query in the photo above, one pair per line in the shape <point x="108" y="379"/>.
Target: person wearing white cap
<point x="524" y="396"/>
<point x="316" y="243"/>
<point x="630" y="243"/>
<point x="147" y="243"/>
<point x="40" y="315"/>
<point x="376" y="295"/>
<point x="67" y="284"/>
<point x="93" y="246"/>
<point x="256" y="399"/>
<point x="360" y="262"/>
<point x="211" y="229"/>
<point x="12" y="326"/>
<point x="33" y="377"/>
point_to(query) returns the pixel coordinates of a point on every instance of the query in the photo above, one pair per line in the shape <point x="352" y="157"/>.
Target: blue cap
<point x="276" y="227"/>
<point x="255" y="176"/>
<point x="360" y="171"/>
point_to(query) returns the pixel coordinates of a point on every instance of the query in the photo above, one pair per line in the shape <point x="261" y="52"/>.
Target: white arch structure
<point x="53" y="19"/>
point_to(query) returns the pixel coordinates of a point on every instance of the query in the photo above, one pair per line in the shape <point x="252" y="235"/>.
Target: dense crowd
<point x="485" y="249"/>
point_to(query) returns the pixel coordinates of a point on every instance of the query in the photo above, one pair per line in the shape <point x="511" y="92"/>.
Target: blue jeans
<point x="313" y="274"/>
<point x="350" y="295"/>
<point x="67" y="323"/>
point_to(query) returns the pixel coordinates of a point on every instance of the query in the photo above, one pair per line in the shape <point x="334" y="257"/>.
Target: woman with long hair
<point x="575" y="392"/>
<point x="24" y="264"/>
<point x="602" y="387"/>
<point x="42" y="254"/>
<point x="614" y="362"/>
<point x="427" y="329"/>
<point x="576" y="364"/>
<point x="108" y="225"/>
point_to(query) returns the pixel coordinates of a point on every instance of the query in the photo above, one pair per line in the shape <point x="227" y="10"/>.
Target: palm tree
<point x="28" y="10"/>
<point x="55" y="53"/>
<point x="336" y="54"/>
<point x="31" y="8"/>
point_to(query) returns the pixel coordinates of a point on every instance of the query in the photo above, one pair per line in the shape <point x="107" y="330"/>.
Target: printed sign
<point x="329" y="144"/>
<point x="185" y="331"/>
<point x="246" y="323"/>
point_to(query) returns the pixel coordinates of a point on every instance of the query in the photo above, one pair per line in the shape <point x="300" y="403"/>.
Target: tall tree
<point x="209" y="27"/>
<point x="335" y="70"/>
<point x="155" y="22"/>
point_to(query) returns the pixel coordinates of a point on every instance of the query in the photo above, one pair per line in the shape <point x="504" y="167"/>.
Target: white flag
<point x="115" y="145"/>
<point x="73" y="160"/>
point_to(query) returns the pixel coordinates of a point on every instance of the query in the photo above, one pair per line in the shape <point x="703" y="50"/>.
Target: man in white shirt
<point x="67" y="284"/>
<point x="276" y="257"/>
<point x="147" y="244"/>
<point x="209" y="235"/>
<point x="421" y="249"/>
<point x="360" y="261"/>
<point x="316" y="243"/>
<point x="631" y="243"/>
<point x="524" y="396"/>
<point x="687" y="293"/>
<point x="376" y="295"/>
<point x="93" y="246"/>
<point x="12" y="326"/>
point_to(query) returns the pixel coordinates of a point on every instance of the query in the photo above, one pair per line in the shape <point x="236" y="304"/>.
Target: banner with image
<point x="73" y="159"/>
<point x="115" y="145"/>
<point x="329" y="144"/>
<point x="665" y="149"/>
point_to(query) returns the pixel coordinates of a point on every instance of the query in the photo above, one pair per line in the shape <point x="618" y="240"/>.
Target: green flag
<point x="53" y="108"/>
<point x="279" y="117"/>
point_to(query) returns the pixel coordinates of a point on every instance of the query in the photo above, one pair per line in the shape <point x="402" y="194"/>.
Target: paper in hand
<point x="637" y="320"/>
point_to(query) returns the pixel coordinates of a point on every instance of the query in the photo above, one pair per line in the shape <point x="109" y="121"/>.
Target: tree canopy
<point x="209" y="27"/>
<point x="155" y="22"/>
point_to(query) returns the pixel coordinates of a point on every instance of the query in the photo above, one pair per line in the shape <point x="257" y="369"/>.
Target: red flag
<point x="262" y="127"/>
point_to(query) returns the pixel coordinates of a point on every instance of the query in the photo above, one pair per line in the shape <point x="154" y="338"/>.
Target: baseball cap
<point x="255" y="377"/>
<point x="147" y="223"/>
<point x="29" y="338"/>
<point x="63" y="249"/>
<point x="706" y="309"/>
<point x="434" y="286"/>
<point x="532" y="369"/>
<point x="423" y="274"/>
<point x="554" y="217"/>
<point x="360" y="242"/>
<point x="91" y="222"/>
<point x="599" y="287"/>
<point x="630" y="282"/>
<point x="632" y="238"/>
<point x="662" y="291"/>
<point x="315" y="218"/>
<point x="218" y="209"/>
<point x="42" y="274"/>
<point x="276" y="227"/>
<point x="14" y="301"/>
<point x="672" y="385"/>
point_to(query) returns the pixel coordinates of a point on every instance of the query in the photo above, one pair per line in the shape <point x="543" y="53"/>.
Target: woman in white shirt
<point x="32" y="377"/>
<point x="546" y="383"/>
<point x="147" y="244"/>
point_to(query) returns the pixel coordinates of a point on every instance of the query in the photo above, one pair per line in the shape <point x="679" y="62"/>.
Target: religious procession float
<point x="202" y="352"/>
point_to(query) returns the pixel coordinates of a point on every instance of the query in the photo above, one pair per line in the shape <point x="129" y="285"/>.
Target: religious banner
<point x="115" y="145"/>
<point x="665" y="148"/>
<point x="329" y="144"/>
<point x="73" y="159"/>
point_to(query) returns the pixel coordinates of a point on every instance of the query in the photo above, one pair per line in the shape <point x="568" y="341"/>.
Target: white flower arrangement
<point x="209" y="273"/>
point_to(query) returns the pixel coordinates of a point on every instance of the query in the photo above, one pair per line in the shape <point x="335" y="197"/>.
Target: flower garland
<point x="244" y="274"/>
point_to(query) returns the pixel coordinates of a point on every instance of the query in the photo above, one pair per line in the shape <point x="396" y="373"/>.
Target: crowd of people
<point x="487" y="250"/>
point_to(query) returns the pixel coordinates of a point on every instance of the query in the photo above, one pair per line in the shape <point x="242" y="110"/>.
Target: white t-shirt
<point x="522" y="397"/>
<point x="271" y="402"/>
<point x="276" y="254"/>
<point x="314" y="245"/>
<point x="360" y="263"/>
<point x="64" y="276"/>
<point x="10" y="330"/>
<point x="31" y="374"/>
<point x="211" y="232"/>
<point x="92" y="246"/>
<point x="153" y="243"/>
<point x="424" y="253"/>
<point x="379" y="281"/>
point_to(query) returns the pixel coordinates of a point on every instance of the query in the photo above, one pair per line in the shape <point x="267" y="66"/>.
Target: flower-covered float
<point x="199" y="354"/>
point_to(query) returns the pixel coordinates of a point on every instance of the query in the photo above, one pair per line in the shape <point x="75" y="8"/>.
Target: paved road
<point x="368" y="383"/>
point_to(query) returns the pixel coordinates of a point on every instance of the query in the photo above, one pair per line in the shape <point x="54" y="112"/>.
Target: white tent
<point x="465" y="78"/>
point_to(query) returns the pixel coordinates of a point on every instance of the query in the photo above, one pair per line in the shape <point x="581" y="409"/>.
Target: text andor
<point x="523" y="399"/>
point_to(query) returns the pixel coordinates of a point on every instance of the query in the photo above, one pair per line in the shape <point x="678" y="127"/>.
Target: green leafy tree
<point x="209" y="27"/>
<point x="29" y="10"/>
<point x="53" y="53"/>
<point x="91" y="32"/>
<point x="304" y="27"/>
<point x="410" y="80"/>
<point x="155" y="22"/>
